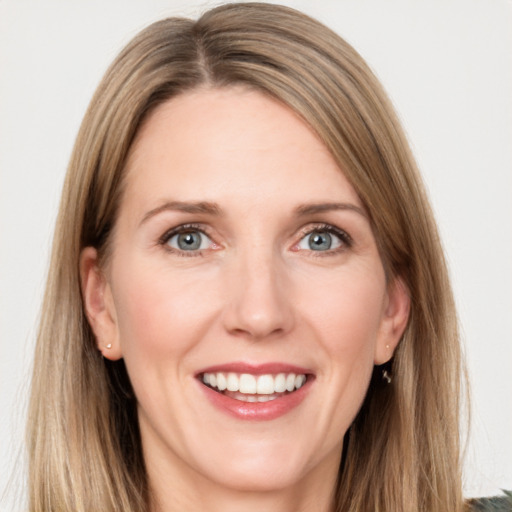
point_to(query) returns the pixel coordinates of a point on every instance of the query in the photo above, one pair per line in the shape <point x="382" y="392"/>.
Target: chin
<point x="258" y="467"/>
<point x="266" y="478"/>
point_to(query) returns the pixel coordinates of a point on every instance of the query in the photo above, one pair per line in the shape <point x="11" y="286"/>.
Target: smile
<point x="255" y="391"/>
<point x="247" y="387"/>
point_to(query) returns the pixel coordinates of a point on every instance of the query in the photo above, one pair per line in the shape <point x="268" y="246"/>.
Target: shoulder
<point x="497" y="504"/>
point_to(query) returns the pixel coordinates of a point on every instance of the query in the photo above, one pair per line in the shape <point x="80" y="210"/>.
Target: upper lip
<point x="255" y="368"/>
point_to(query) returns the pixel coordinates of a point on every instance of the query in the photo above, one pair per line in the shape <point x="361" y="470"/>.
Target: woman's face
<point x="241" y="257"/>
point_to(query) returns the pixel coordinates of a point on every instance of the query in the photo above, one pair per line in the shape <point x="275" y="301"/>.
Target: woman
<point x="257" y="311"/>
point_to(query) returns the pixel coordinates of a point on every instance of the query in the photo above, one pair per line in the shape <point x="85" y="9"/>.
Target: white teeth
<point x="263" y="385"/>
<point x="280" y="383"/>
<point x="247" y="383"/>
<point x="233" y="383"/>
<point x="254" y="398"/>
<point x="299" y="381"/>
<point x="222" y="383"/>
<point x="290" y="382"/>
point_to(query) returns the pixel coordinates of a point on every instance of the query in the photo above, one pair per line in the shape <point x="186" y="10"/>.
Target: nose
<point x="258" y="301"/>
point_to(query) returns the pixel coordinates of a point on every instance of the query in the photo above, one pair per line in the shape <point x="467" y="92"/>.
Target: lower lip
<point x="257" y="411"/>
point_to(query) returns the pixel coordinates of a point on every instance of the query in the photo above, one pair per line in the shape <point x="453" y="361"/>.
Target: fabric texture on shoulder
<point x="496" y="504"/>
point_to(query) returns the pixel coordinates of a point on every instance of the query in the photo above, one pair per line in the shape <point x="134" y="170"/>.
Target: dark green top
<point x="497" y="504"/>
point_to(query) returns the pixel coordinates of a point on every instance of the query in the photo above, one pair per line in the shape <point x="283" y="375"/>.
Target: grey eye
<point x="189" y="241"/>
<point x="320" y="241"/>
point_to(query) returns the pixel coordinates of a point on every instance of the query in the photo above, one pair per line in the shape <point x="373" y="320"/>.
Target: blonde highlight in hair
<point x="402" y="451"/>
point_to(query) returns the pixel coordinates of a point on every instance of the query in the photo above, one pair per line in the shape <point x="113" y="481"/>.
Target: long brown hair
<point x="402" y="452"/>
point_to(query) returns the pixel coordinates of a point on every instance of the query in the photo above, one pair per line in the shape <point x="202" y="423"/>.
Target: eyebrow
<point x="208" y="208"/>
<point x="203" y="207"/>
<point x="311" y="209"/>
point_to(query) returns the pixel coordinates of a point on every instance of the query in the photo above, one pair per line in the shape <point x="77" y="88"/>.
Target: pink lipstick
<point x="255" y="391"/>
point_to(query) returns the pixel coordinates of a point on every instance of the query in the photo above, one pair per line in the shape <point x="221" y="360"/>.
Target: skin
<point x="256" y="292"/>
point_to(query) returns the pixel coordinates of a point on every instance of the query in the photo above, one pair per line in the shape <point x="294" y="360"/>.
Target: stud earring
<point x="108" y="346"/>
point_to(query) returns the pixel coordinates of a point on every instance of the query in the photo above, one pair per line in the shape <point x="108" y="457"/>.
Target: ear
<point x="394" y="320"/>
<point x="99" y="305"/>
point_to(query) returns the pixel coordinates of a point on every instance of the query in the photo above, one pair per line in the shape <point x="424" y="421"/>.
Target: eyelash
<point x="345" y="238"/>
<point x="178" y="230"/>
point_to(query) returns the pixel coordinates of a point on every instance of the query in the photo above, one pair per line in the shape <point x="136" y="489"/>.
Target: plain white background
<point x="447" y="67"/>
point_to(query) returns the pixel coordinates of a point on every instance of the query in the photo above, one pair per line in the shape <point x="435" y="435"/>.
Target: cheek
<point x="348" y="311"/>
<point x="346" y="317"/>
<point x="159" y="315"/>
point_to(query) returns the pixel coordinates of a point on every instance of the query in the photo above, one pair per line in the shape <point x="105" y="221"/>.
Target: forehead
<point x="221" y="143"/>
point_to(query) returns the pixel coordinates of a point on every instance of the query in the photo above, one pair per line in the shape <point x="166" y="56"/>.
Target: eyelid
<point x="182" y="228"/>
<point x="345" y="238"/>
<point x="185" y="228"/>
